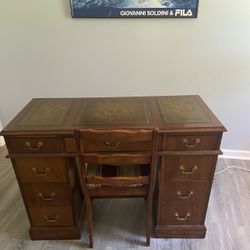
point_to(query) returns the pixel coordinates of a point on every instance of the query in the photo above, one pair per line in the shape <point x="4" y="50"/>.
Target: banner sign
<point x="134" y="8"/>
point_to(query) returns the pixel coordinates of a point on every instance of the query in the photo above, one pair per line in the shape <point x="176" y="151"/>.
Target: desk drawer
<point x="47" y="194"/>
<point x="184" y="192"/>
<point x="190" y="142"/>
<point x="38" y="169"/>
<point x="107" y="146"/>
<point x="181" y="215"/>
<point x="35" y="145"/>
<point x="51" y="216"/>
<point x="188" y="167"/>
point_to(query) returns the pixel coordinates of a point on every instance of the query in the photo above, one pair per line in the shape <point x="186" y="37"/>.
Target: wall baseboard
<point x="235" y="154"/>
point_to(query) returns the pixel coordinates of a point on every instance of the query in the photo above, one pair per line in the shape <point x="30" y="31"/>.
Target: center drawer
<point x="112" y="146"/>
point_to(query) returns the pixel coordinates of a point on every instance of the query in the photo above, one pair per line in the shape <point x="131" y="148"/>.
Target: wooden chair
<point x="117" y="163"/>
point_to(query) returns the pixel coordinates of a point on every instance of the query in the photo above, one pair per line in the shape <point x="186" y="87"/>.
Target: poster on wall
<point x="135" y="8"/>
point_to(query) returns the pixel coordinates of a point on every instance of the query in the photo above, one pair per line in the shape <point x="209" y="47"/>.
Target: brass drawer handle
<point x="45" y="173"/>
<point x="184" y="218"/>
<point x="47" y="198"/>
<point x="112" y="145"/>
<point x="189" y="145"/>
<point x="34" y="148"/>
<point x="51" y="220"/>
<point x="188" y="196"/>
<point x="188" y="172"/>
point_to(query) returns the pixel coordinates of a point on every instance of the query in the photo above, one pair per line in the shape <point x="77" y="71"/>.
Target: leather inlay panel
<point x="181" y="109"/>
<point x="114" y="111"/>
<point x="47" y="113"/>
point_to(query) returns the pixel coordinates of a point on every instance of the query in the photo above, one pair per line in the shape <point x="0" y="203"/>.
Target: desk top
<point x="63" y="115"/>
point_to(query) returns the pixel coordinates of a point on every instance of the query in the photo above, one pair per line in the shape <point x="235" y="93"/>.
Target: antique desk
<point x="42" y="149"/>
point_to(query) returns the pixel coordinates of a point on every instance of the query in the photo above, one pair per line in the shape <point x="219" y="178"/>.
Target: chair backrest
<point x="116" y="147"/>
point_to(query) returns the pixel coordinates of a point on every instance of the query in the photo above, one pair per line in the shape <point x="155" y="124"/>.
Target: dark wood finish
<point x="181" y="231"/>
<point x="100" y="141"/>
<point x="188" y="167"/>
<point x="51" y="216"/>
<point x="181" y="215"/>
<point x="190" y="142"/>
<point x="114" y="138"/>
<point x="47" y="194"/>
<point x="35" y="145"/>
<point x="54" y="233"/>
<point x="187" y="192"/>
<point x="118" y="192"/>
<point x="41" y="169"/>
<point x="41" y="136"/>
<point x="118" y="158"/>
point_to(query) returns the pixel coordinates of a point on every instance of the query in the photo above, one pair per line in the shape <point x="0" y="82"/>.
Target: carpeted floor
<point x="120" y="224"/>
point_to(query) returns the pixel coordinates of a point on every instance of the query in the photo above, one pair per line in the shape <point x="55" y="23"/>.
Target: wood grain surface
<point x="120" y="222"/>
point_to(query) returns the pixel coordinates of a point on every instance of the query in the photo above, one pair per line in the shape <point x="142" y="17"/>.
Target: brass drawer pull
<point x="51" y="220"/>
<point x="112" y="145"/>
<point x="188" y="172"/>
<point x="47" y="198"/>
<point x="37" y="147"/>
<point x="189" y="145"/>
<point x="184" y="218"/>
<point x="188" y="196"/>
<point x="45" y="173"/>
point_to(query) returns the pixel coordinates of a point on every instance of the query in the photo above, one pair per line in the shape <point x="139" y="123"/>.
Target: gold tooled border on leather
<point x="113" y="111"/>
<point x="181" y="110"/>
<point x="47" y="113"/>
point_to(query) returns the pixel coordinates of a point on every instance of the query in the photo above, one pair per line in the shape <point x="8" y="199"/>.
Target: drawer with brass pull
<point x="184" y="192"/>
<point x="47" y="194"/>
<point x="51" y="216"/>
<point x="117" y="146"/>
<point x="188" y="167"/>
<point x="110" y="142"/>
<point x="190" y="142"/>
<point x="181" y="215"/>
<point x="39" y="169"/>
<point x="35" y="145"/>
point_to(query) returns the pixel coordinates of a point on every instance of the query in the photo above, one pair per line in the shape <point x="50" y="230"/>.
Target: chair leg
<point x="89" y="221"/>
<point x="149" y="221"/>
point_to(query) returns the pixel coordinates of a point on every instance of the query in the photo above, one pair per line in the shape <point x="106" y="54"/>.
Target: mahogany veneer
<point x="42" y="148"/>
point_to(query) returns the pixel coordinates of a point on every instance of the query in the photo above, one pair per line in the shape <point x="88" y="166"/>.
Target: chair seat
<point x="101" y="175"/>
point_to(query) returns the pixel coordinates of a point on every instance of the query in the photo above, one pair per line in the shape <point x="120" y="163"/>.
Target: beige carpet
<point x="120" y="224"/>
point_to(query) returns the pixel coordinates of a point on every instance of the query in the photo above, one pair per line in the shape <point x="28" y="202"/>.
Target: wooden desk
<point x="42" y="150"/>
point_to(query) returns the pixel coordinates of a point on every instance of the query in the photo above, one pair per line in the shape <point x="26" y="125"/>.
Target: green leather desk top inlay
<point x="47" y="113"/>
<point x="114" y="111"/>
<point x="181" y="109"/>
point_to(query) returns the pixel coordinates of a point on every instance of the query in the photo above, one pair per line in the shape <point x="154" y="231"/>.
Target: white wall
<point x="46" y="53"/>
